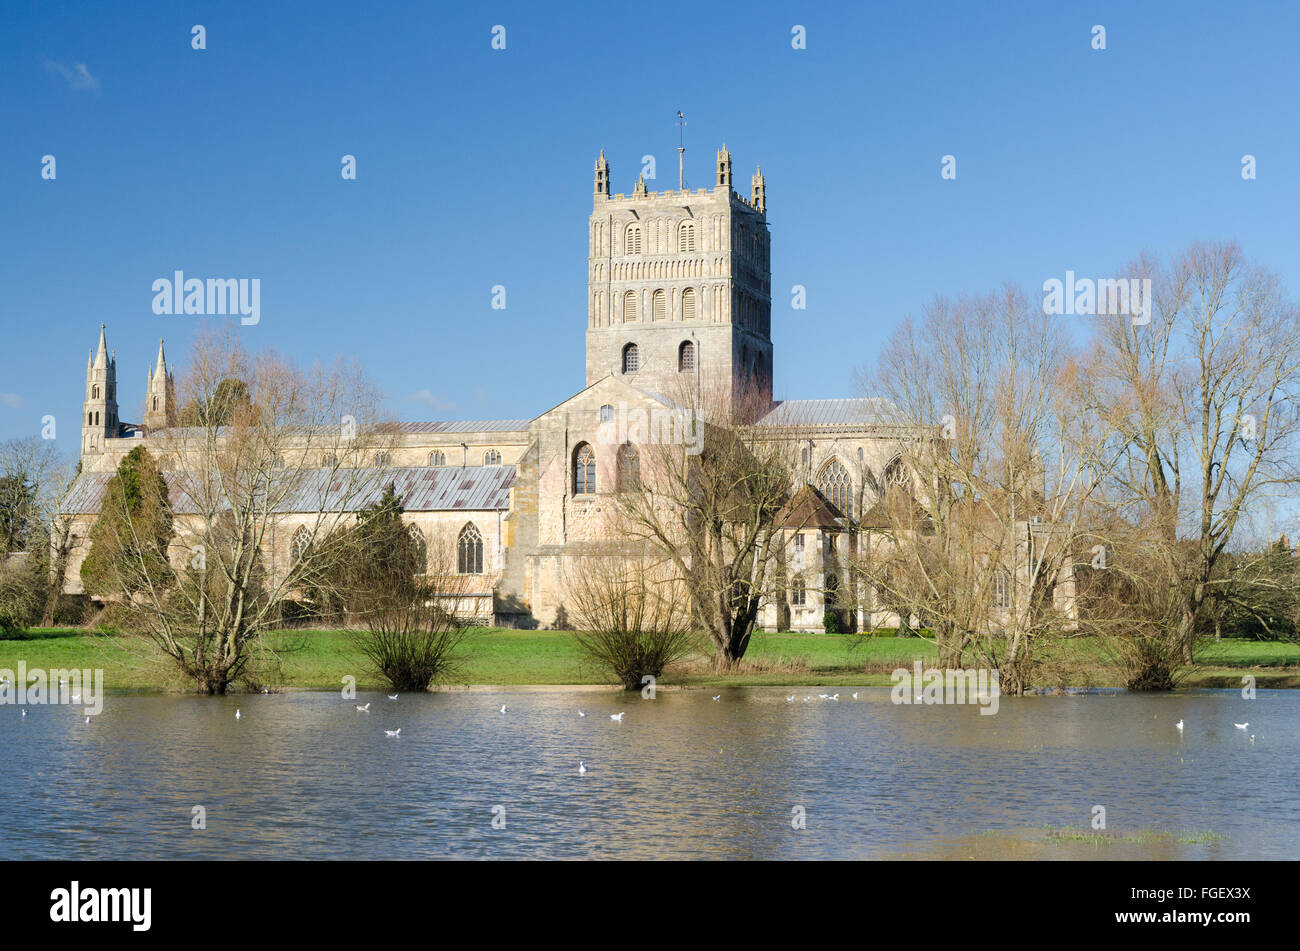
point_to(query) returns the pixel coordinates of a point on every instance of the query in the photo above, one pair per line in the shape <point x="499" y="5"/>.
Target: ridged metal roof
<point x="875" y="411"/>
<point x="472" y="488"/>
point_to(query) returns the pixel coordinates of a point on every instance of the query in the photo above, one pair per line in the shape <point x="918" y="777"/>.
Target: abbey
<point x="679" y="293"/>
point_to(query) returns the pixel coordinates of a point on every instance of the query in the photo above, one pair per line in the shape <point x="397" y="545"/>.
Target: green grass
<point x="500" y="657"/>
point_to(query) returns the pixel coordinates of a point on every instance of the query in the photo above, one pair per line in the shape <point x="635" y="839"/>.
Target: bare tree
<point x="981" y="519"/>
<point x="712" y="513"/>
<point x="1201" y="402"/>
<point x="34" y="479"/>
<point x="302" y="444"/>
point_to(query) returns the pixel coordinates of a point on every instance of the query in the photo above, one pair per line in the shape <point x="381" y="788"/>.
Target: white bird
<point x="503" y="708"/>
<point x="855" y="696"/>
<point x="1242" y="726"/>
<point x="1179" y="724"/>
<point x="822" y="696"/>
<point x="718" y="697"/>
<point x="237" y="713"/>
<point x="790" y="699"/>
<point x="87" y="719"/>
<point x="582" y="767"/>
<point x="1252" y="738"/>
<point x="25" y="714"/>
<point x="365" y="709"/>
<point x="76" y="698"/>
<point x="835" y="696"/>
<point x="393" y="696"/>
<point x="807" y="699"/>
<point x="393" y="732"/>
<point x="616" y="717"/>
<point x="581" y="714"/>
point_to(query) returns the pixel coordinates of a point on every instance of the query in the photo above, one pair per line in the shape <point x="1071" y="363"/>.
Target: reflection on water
<point x="304" y="775"/>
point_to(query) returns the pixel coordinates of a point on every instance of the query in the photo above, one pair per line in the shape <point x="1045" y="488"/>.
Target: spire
<point x="639" y="190"/>
<point x="101" y="355"/>
<point x="161" y="371"/>
<point x="602" y="175"/>
<point x="724" y="167"/>
<point x="759" y="195"/>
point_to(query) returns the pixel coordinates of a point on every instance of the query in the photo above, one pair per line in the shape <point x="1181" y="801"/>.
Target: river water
<point x="750" y="776"/>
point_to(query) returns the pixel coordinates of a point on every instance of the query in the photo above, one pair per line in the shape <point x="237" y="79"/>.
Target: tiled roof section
<point x="818" y="413"/>
<point x="470" y="489"/>
<point x="809" y="509"/>
<point x="460" y="426"/>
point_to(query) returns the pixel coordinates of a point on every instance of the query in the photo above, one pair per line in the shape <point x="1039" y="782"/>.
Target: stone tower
<point x="99" y="412"/>
<point x="160" y="395"/>
<point x="679" y="287"/>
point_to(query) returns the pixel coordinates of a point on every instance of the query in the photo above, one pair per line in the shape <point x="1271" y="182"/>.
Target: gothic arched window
<point x="660" y="305"/>
<point x="629" y="307"/>
<point x="688" y="304"/>
<point x="631" y="358"/>
<point x="686" y="237"/>
<point x="629" y="468"/>
<point x="436" y="458"/>
<point x="469" y="550"/>
<point x="584" y="470"/>
<point x="299" y="544"/>
<point x="686" y="356"/>
<point x="491" y="458"/>
<point x="835" y="485"/>
<point x="419" y="550"/>
<point x="895" y="475"/>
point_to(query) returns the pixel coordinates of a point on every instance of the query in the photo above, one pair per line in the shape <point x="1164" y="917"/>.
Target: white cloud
<point x="78" y="77"/>
<point x="429" y="399"/>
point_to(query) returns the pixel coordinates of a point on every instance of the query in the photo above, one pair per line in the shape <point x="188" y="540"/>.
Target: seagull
<point x="393" y="732"/>
<point x="1252" y="738"/>
<point x="807" y="699"/>
<point x="1179" y="724"/>
<point x="718" y="697"/>
<point x="237" y="713"/>
<point x="1242" y="726"/>
<point x="76" y="697"/>
<point x="835" y="697"/>
<point x="87" y="719"/>
<point x="855" y="696"/>
<point x="790" y="699"/>
<point x="25" y="714"/>
<point x="365" y="709"/>
<point x="503" y="708"/>
<point x="581" y="714"/>
<point x="616" y="717"/>
<point x="822" y="696"/>
<point x="393" y="696"/>
<point x="582" y="767"/>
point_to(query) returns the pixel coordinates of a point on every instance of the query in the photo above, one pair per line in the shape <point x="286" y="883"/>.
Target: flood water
<point x="305" y="775"/>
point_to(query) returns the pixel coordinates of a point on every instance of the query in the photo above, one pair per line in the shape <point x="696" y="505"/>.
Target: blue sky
<point x="474" y="169"/>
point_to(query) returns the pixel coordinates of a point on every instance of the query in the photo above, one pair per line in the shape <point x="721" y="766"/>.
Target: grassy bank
<point x="499" y="657"/>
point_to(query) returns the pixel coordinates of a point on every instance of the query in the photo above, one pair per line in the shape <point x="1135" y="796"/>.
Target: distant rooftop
<point x="459" y="426"/>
